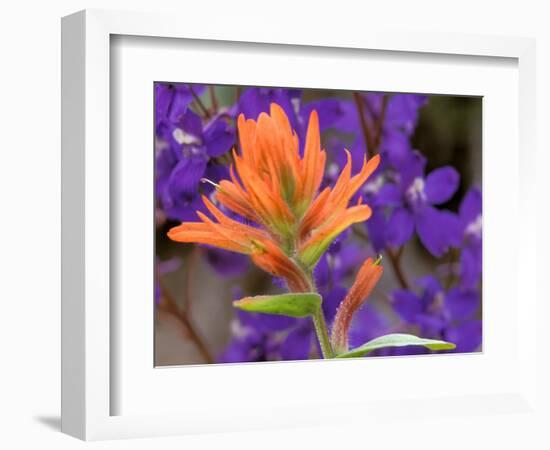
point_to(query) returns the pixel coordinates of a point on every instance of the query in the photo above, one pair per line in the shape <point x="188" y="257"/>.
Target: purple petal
<point x="367" y="324"/>
<point x="408" y="350"/>
<point x="376" y="227"/>
<point x="332" y="300"/>
<point x="297" y="344"/>
<point x="431" y="325"/>
<point x="265" y="322"/>
<point x="254" y="101"/>
<point x="407" y="305"/>
<point x="467" y="336"/>
<point x="329" y="110"/>
<point x="441" y="184"/>
<point x="436" y="229"/>
<point x="218" y="138"/>
<point x="461" y="304"/>
<point x="227" y="263"/>
<point x="321" y="272"/>
<point x="348" y="259"/>
<point x="389" y="195"/>
<point x="470" y="208"/>
<point x="184" y="210"/>
<point x="346" y="118"/>
<point x="400" y="227"/>
<point x="165" y="162"/>
<point x="183" y="183"/>
<point x="470" y="265"/>
<point x="431" y="287"/>
<point x="172" y="100"/>
<point x="191" y="124"/>
<point x="410" y="168"/>
<point x="402" y="111"/>
<point x="395" y="148"/>
<point x="236" y="351"/>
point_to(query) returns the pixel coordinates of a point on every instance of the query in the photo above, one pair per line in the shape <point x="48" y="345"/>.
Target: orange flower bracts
<point x="367" y="277"/>
<point x="278" y="190"/>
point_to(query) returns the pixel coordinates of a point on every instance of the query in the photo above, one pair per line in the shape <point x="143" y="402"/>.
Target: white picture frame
<point x="89" y="330"/>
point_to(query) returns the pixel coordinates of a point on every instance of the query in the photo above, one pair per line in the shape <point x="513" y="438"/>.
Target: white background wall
<point x="30" y="192"/>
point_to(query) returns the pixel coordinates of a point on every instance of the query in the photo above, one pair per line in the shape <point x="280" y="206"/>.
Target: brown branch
<point x="395" y="260"/>
<point x="213" y="98"/>
<point x="238" y="92"/>
<point x="360" y="104"/>
<point x="168" y="304"/>
<point x="380" y="123"/>
<point x="199" y="103"/>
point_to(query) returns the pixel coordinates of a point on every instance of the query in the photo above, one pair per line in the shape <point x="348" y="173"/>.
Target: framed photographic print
<point x="259" y="247"/>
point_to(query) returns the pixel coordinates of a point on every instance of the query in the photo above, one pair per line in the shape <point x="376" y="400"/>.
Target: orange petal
<point x="314" y="247"/>
<point x="273" y="260"/>
<point x="202" y="233"/>
<point x="311" y="163"/>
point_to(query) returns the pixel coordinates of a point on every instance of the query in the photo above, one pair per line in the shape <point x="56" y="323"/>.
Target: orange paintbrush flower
<point x="275" y="187"/>
<point x="367" y="277"/>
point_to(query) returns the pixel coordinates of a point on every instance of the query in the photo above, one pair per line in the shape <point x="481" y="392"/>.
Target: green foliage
<point x="396" y="340"/>
<point x="292" y="305"/>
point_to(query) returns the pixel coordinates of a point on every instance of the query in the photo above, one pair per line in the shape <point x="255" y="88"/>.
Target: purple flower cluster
<point x="188" y="148"/>
<point x="192" y="142"/>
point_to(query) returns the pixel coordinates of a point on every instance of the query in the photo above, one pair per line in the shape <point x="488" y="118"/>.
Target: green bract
<point x="292" y="305"/>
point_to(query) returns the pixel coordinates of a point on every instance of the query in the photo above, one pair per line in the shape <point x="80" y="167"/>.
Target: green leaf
<point x="396" y="340"/>
<point x="293" y="305"/>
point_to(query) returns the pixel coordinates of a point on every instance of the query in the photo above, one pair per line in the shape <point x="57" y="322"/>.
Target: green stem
<point x="322" y="334"/>
<point x="320" y="323"/>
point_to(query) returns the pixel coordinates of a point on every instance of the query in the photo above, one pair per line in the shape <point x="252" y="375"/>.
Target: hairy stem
<point x="322" y="334"/>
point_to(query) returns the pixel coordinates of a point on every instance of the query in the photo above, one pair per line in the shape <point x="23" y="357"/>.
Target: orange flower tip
<point x="173" y="232"/>
<point x="313" y="115"/>
<point x="378" y="261"/>
<point x="375" y="160"/>
<point x="275" y="107"/>
<point x="206" y="180"/>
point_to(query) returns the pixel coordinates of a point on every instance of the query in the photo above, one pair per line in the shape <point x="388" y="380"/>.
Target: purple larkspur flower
<point x="441" y="314"/>
<point x="252" y="340"/>
<point x="172" y="100"/>
<point x="190" y="149"/>
<point x="408" y="204"/>
<point x="185" y="149"/>
<point x="399" y="122"/>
